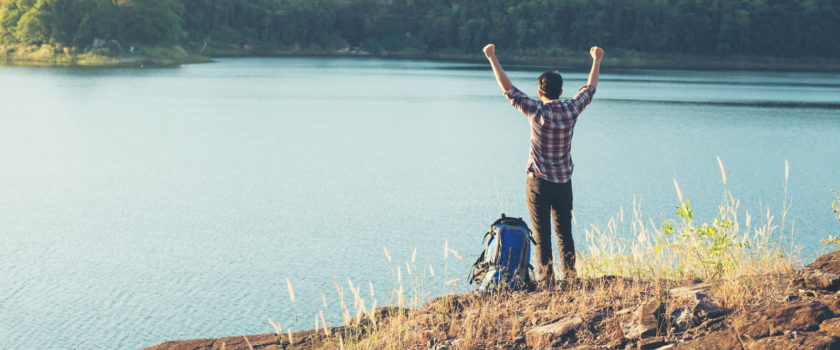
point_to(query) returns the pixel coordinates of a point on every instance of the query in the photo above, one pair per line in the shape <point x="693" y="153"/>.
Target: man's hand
<point x="596" y="52"/>
<point x="490" y="50"/>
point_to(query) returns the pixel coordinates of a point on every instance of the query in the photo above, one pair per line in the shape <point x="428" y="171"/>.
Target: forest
<point x="778" y="28"/>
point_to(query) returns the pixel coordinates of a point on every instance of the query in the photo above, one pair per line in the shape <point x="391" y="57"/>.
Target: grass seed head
<point x="679" y="193"/>
<point x="291" y="291"/>
<point x="445" y="249"/>
<point x="372" y="295"/>
<point x="324" y="322"/>
<point x="277" y="329"/>
<point x="787" y="170"/>
<point x="387" y="254"/>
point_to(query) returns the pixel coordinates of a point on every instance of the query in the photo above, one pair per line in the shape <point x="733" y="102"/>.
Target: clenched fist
<point x="490" y="50"/>
<point x="596" y="52"/>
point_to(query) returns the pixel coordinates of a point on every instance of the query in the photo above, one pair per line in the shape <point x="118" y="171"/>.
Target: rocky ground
<point x="800" y="310"/>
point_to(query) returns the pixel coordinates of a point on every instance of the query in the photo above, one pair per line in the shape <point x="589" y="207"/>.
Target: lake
<point x="144" y="205"/>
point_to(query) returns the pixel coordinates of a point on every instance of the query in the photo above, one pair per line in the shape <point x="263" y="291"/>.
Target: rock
<point x="645" y="321"/>
<point x="832" y="302"/>
<point x="699" y="309"/>
<point x="302" y="340"/>
<point x="682" y="319"/>
<point x="793" y="342"/>
<point x="821" y="275"/>
<point x="689" y="291"/>
<point x="828" y="263"/>
<point x="816" y="280"/>
<point x="758" y="323"/>
<point x="831" y="326"/>
<point x="617" y="343"/>
<point x="714" y="324"/>
<point x="791" y="297"/>
<point x="544" y="337"/>
<point x="720" y="340"/>
<point x="706" y="309"/>
<point x="652" y="343"/>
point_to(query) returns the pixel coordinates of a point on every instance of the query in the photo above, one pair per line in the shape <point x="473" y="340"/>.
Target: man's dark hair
<point x="551" y="84"/>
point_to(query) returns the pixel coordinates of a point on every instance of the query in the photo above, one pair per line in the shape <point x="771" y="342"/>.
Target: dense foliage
<point x="722" y="27"/>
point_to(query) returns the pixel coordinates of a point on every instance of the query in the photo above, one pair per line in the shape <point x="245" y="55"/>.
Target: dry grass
<point x="477" y="321"/>
<point x="727" y="248"/>
<point x="628" y="262"/>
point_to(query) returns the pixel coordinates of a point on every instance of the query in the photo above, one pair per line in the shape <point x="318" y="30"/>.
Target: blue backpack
<point x="505" y="262"/>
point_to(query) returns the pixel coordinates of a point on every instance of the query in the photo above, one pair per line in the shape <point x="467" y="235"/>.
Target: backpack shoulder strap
<point x="480" y="259"/>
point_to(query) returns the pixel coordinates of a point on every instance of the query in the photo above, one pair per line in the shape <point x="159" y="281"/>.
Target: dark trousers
<point x="544" y="199"/>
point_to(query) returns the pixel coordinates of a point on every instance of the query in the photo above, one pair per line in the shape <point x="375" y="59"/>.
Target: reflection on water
<point x="768" y="104"/>
<point x="141" y="205"/>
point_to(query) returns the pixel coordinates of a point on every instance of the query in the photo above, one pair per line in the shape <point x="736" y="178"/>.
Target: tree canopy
<point x="720" y="27"/>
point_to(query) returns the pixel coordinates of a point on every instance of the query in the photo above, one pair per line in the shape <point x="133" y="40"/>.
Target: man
<point x="549" y="185"/>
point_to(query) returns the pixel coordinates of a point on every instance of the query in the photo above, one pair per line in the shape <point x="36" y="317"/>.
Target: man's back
<point x="552" y="127"/>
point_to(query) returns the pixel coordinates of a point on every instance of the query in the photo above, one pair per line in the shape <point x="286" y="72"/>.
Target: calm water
<point x="143" y="205"/>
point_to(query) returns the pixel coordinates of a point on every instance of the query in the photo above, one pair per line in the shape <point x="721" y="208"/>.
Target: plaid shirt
<point x="552" y="125"/>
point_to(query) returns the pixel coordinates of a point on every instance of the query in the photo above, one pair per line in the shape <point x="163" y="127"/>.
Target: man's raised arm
<point x="597" y="54"/>
<point x="501" y="77"/>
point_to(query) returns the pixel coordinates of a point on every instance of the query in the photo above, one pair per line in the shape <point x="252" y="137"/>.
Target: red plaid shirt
<point x="552" y="125"/>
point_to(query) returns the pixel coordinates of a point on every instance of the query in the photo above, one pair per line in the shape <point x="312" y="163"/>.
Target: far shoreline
<point x="621" y="59"/>
<point x="54" y="56"/>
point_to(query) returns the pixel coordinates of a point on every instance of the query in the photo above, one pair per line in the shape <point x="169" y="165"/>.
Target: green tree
<point x="724" y="27"/>
<point x="35" y="25"/>
<point x="10" y="13"/>
<point x="98" y="19"/>
<point x="152" y="21"/>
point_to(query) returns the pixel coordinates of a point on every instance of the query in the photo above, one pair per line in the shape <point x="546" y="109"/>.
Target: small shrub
<point x="727" y="247"/>
<point x="832" y="241"/>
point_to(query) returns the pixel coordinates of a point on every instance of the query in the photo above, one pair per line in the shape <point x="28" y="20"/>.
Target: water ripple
<point x="762" y="104"/>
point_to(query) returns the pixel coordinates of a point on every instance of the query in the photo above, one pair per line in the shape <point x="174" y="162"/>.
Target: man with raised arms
<point x="549" y="184"/>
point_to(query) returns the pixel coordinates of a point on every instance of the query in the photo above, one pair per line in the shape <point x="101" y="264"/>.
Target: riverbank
<point x="49" y="55"/>
<point x="796" y="309"/>
<point x="558" y="57"/>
